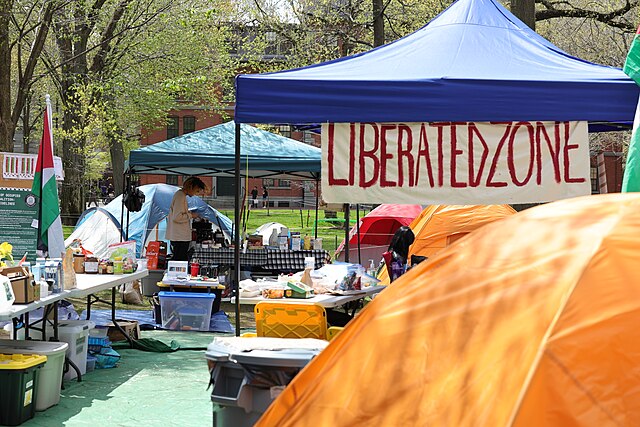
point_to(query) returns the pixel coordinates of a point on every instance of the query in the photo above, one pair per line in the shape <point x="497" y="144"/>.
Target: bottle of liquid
<point x="273" y="239"/>
<point x="195" y="268"/>
<point x="307" y="242"/>
<point x="371" y="271"/>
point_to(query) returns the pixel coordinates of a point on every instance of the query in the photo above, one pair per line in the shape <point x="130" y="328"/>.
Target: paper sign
<point x="454" y="162"/>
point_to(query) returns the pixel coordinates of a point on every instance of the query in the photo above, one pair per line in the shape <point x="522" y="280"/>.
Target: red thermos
<point x="195" y="268"/>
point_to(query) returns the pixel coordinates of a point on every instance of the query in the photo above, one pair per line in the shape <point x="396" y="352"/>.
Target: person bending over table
<point x="179" y="219"/>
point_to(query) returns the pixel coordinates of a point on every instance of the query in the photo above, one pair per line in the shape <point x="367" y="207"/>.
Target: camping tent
<point x="98" y="227"/>
<point x="211" y="152"/>
<point x="530" y="321"/>
<point x="439" y="226"/>
<point x="473" y="62"/>
<point x="376" y="230"/>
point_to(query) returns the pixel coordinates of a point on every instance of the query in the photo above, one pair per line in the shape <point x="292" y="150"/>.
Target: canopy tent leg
<point x="236" y="235"/>
<point x="346" y="231"/>
<point x="317" y="203"/>
<point x="358" y="232"/>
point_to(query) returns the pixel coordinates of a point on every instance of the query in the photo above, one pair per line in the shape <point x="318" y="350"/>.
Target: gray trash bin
<point x="247" y="374"/>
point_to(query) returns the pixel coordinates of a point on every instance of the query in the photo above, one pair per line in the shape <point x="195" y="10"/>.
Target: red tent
<point x="377" y="229"/>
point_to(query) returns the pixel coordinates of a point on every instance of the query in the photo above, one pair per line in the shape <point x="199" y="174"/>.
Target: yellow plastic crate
<point x="20" y="361"/>
<point x="284" y="320"/>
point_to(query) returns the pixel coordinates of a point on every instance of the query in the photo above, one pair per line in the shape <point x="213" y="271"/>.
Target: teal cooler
<point x="19" y="387"/>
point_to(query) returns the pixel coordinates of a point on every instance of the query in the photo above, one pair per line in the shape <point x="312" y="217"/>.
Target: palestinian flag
<point x="50" y="237"/>
<point x="631" y="180"/>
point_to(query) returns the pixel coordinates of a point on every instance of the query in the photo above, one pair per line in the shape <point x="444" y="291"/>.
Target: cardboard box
<point x="156" y="262"/>
<point x="157" y="248"/>
<point x="156" y="255"/>
<point x="22" y="284"/>
<point x="131" y="328"/>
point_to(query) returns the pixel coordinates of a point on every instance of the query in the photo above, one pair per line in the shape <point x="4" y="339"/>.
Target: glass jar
<point x="78" y="263"/>
<point x="91" y="265"/>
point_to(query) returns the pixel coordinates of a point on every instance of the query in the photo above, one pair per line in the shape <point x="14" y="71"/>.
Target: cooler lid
<point x="32" y="347"/>
<point x="264" y="351"/>
<point x="20" y="361"/>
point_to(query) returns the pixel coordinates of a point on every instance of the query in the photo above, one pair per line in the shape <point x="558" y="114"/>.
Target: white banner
<point x="454" y="163"/>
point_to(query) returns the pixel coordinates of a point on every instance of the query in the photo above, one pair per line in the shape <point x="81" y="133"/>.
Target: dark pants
<point x="180" y="250"/>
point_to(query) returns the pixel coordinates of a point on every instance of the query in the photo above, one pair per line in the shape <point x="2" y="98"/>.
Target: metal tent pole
<point x="236" y="234"/>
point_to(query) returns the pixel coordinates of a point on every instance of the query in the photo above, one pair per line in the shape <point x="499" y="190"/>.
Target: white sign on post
<point x="454" y="162"/>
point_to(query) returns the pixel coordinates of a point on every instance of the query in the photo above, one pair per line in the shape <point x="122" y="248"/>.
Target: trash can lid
<point x="20" y="361"/>
<point x="264" y="351"/>
<point x="32" y="347"/>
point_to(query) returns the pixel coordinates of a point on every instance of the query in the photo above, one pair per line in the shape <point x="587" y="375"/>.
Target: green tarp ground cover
<point x="145" y="389"/>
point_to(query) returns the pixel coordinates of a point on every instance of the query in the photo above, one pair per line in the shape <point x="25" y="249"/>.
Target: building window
<point x="267" y="182"/>
<point x="172" y="179"/>
<point x="173" y="128"/>
<point x="188" y="124"/>
<point x="284" y="183"/>
<point x="285" y="130"/>
<point x="309" y="138"/>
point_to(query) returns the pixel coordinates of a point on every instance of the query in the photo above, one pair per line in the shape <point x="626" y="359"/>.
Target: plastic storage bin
<point x="50" y="374"/>
<point x="76" y="334"/>
<point x="186" y="310"/>
<point x="18" y="394"/>
<point x="247" y="379"/>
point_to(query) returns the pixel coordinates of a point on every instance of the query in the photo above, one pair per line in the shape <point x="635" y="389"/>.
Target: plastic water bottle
<point x="371" y="271"/>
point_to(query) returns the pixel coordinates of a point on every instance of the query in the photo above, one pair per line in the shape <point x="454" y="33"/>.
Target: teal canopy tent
<point x="211" y="152"/>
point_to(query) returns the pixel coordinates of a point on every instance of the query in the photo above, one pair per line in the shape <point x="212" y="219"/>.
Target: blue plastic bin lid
<point x="168" y="294"/>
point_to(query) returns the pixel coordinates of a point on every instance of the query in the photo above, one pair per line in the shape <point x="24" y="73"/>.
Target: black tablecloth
<point x="268" y="259"/>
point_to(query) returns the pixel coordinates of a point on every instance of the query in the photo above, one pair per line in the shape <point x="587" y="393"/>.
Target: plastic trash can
<point x="249" y="373"/>
<point x="50" y="374"/>
<point x="76" y="334"/>
<point x="18" y="394"/>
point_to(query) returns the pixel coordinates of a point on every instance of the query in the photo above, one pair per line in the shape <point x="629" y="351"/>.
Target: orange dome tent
<point x="438" y="226"/>
<point x="532" y="321"/>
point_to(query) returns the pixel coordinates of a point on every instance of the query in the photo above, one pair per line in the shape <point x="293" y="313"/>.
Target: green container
<point x="19" y="379"/>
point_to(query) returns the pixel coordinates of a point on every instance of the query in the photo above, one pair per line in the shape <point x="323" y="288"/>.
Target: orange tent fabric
<point x="438" y="226"/>
<point x="530" y="321"/>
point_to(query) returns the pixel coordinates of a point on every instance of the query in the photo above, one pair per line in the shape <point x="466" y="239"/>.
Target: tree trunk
<point x="6" y="123"/>
<point x="72" y="197"/>
<point x="117" y="164"/>
<point x="378" y="23"/>
<point x="525" y="10"/>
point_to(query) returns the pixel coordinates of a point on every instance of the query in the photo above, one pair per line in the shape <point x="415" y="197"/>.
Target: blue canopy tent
<point x="474" y="62"/>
